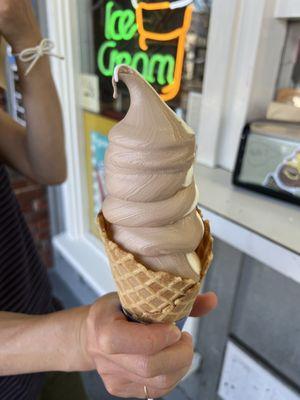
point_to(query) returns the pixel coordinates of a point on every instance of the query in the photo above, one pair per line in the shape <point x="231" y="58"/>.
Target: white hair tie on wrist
<point x="33" y="54"/>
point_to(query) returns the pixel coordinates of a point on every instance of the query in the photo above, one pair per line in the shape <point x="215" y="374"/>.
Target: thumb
<point x="122" y="336"/>
<point x="204" y="303"/>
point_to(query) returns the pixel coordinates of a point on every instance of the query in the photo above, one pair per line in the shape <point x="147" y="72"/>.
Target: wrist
<point x="26" y="42"/>
<point x="66" y="336"/>
<point x="81" y="339"/>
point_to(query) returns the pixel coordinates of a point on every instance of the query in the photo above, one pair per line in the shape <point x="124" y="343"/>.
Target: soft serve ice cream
<point x="152" y="197"/>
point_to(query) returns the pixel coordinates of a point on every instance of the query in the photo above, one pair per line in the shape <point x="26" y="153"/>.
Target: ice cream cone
<point x="153" y="296"/>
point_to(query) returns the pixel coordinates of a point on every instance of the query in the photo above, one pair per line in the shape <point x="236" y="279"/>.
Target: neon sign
<point x="159" y="68"/>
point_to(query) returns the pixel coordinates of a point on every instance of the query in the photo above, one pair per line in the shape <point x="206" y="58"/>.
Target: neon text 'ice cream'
<point x="160" y="68"/>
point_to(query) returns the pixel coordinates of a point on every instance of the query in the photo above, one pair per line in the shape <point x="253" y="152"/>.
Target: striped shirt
<point x="24" y="287"/>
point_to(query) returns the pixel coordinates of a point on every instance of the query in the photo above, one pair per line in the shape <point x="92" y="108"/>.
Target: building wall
<point x="258" y="310"/>
<point x="33" y="201"/>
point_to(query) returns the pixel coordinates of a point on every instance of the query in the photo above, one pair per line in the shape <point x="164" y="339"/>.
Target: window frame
<point x="231" y="95"/>
<point x="242" y="90"/>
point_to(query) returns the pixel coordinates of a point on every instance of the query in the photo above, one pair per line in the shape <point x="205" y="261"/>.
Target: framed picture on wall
<point x="269" y="159"/>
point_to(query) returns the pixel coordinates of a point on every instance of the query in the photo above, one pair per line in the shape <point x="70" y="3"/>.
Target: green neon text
<point x="121" y="25"/>
<point x="156" y="68"/>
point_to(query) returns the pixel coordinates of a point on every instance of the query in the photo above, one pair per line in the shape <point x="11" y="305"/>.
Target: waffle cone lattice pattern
<point x="153" y="296"/>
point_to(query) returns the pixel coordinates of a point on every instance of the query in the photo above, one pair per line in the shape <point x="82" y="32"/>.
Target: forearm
<point x="45" y="138"/>
<point x="42" y="343"/>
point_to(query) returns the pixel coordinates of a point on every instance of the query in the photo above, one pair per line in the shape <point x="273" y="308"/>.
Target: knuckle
<point x="111" y="386"/>
<point x="146" y="367"/>
<point x="165" y="382"/>
<point x="103" y="368"/>
<point x="187" y="356"/>
<point x="105" y="342"/>
<point x="149" y="343"/>
<point x="188" y="337"/>
<point x="91" y="349"/>
<point x="111" y="389"/>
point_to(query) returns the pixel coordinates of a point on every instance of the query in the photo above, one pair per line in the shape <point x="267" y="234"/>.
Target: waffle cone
<point x="153" y="296"/>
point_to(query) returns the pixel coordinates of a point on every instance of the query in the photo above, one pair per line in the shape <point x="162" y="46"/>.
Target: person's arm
<point x="127" y="355"/>
<point x="42" y="343"/>
<point x="37" y="151"/>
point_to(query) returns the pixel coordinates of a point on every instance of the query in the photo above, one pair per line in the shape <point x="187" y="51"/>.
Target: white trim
<point x="255" y="63"/>
<point x="287" y="9"/>
<point x="88" y="260"/>
<point x="269" y="253"/>
<point x="242" y="64"/>
<point x="61" y="17"/>
<point x="217" y="65"/>
<point x="267" y="63"/>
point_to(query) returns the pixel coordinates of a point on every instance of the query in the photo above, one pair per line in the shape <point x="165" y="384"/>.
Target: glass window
<point x="288" y="85"/>
<point x="164" y="41"/>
